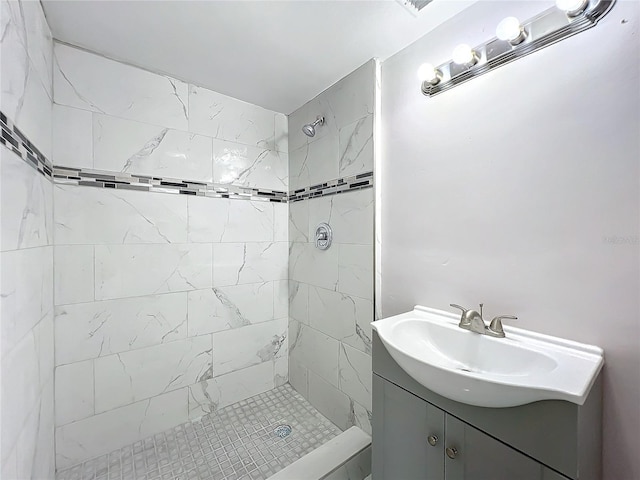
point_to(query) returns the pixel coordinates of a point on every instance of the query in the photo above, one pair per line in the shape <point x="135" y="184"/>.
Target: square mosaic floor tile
<point x="249" y="440"/>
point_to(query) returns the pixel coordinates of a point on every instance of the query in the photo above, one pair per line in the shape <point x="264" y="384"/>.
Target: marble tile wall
<point x="26" y="249"/>
<point x="114" y="117"/>
<point x="167" y="307"/>
<point x="331" y="291"/>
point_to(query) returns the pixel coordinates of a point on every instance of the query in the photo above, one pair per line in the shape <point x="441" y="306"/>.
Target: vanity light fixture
<point x="572" y="7"/>
<point x="513" y="40"/>
<point x="463" y="54"/>
<point x="430" y="74"/>
<point x="511" y="30"/>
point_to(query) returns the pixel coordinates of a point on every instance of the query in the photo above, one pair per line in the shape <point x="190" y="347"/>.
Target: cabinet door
<point x="548" y="474"/>
<point x="478" y="456"/>
<point x="402" y="424"/>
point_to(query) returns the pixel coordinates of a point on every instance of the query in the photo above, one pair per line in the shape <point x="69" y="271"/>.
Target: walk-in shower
<point x="154" y="302"/>
<point x="310" y="128"/>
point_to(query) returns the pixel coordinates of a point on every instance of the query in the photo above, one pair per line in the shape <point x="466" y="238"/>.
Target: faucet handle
<point x="464" y="321"/>
<point x="464" y="310"/>
<point x="495" y="327"/>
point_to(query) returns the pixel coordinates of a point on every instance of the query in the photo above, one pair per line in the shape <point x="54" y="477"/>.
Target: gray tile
<point x="236" y="442"/>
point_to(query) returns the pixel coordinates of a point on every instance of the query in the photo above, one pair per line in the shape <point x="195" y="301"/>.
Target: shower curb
<point x="351" y="449"/>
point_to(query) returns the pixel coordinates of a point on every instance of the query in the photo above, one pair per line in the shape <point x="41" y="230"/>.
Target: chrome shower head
<point x="310" y="128"/>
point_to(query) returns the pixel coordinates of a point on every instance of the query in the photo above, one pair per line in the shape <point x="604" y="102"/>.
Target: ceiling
<point x="276" y="54"/>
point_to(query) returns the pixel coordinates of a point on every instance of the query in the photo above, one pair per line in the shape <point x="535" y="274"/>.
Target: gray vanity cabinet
<point x="481" y="457"/>
<point x="419" y="435"/>
<point x="417" y="440"/>
<point x="409" y="421"/>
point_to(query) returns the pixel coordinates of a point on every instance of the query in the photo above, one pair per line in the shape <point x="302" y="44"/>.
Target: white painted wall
<point x="521" y="189"/>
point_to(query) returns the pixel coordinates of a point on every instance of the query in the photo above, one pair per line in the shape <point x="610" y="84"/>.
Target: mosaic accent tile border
<point x="13" y="139"/>
<point x="18" y="143"/>
<point x="148" y="183"/>
<point x="332" y="187"/>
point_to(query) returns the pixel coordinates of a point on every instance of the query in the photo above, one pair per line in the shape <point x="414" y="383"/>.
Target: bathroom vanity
<point x="419" y="434"/>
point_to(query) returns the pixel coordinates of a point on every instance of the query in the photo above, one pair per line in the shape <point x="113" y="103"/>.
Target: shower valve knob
<point x="324" y="236"/>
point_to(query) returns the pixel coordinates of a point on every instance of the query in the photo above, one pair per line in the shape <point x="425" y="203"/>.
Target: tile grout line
<point x="175" y="292"/>
<point x="183" y="339"/>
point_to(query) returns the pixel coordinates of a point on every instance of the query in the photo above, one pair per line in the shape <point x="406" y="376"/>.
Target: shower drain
<point x="282" y="430"/>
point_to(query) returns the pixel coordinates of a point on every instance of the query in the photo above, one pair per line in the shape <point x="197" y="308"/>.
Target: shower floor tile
<point x="236" y="442"/>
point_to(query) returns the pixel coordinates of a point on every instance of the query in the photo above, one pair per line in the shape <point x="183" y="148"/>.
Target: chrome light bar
<point x="544" y="29"/>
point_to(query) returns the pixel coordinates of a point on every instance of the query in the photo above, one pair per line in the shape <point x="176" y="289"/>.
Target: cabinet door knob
<point x="452" y="452"/>
<point x="432" y="439"/>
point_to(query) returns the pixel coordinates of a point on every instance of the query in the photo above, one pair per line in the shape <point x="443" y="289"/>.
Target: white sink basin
<point x="464" y="366"/>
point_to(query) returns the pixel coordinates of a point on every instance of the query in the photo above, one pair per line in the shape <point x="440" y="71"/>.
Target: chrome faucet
<point x="472" y="320"/>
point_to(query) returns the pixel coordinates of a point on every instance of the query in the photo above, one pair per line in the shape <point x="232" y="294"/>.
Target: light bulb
<point x="572" y="7"/>
<point x="429" y="73"/>
<point x="511" y="30"/>
<point x="463" y="54"/>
